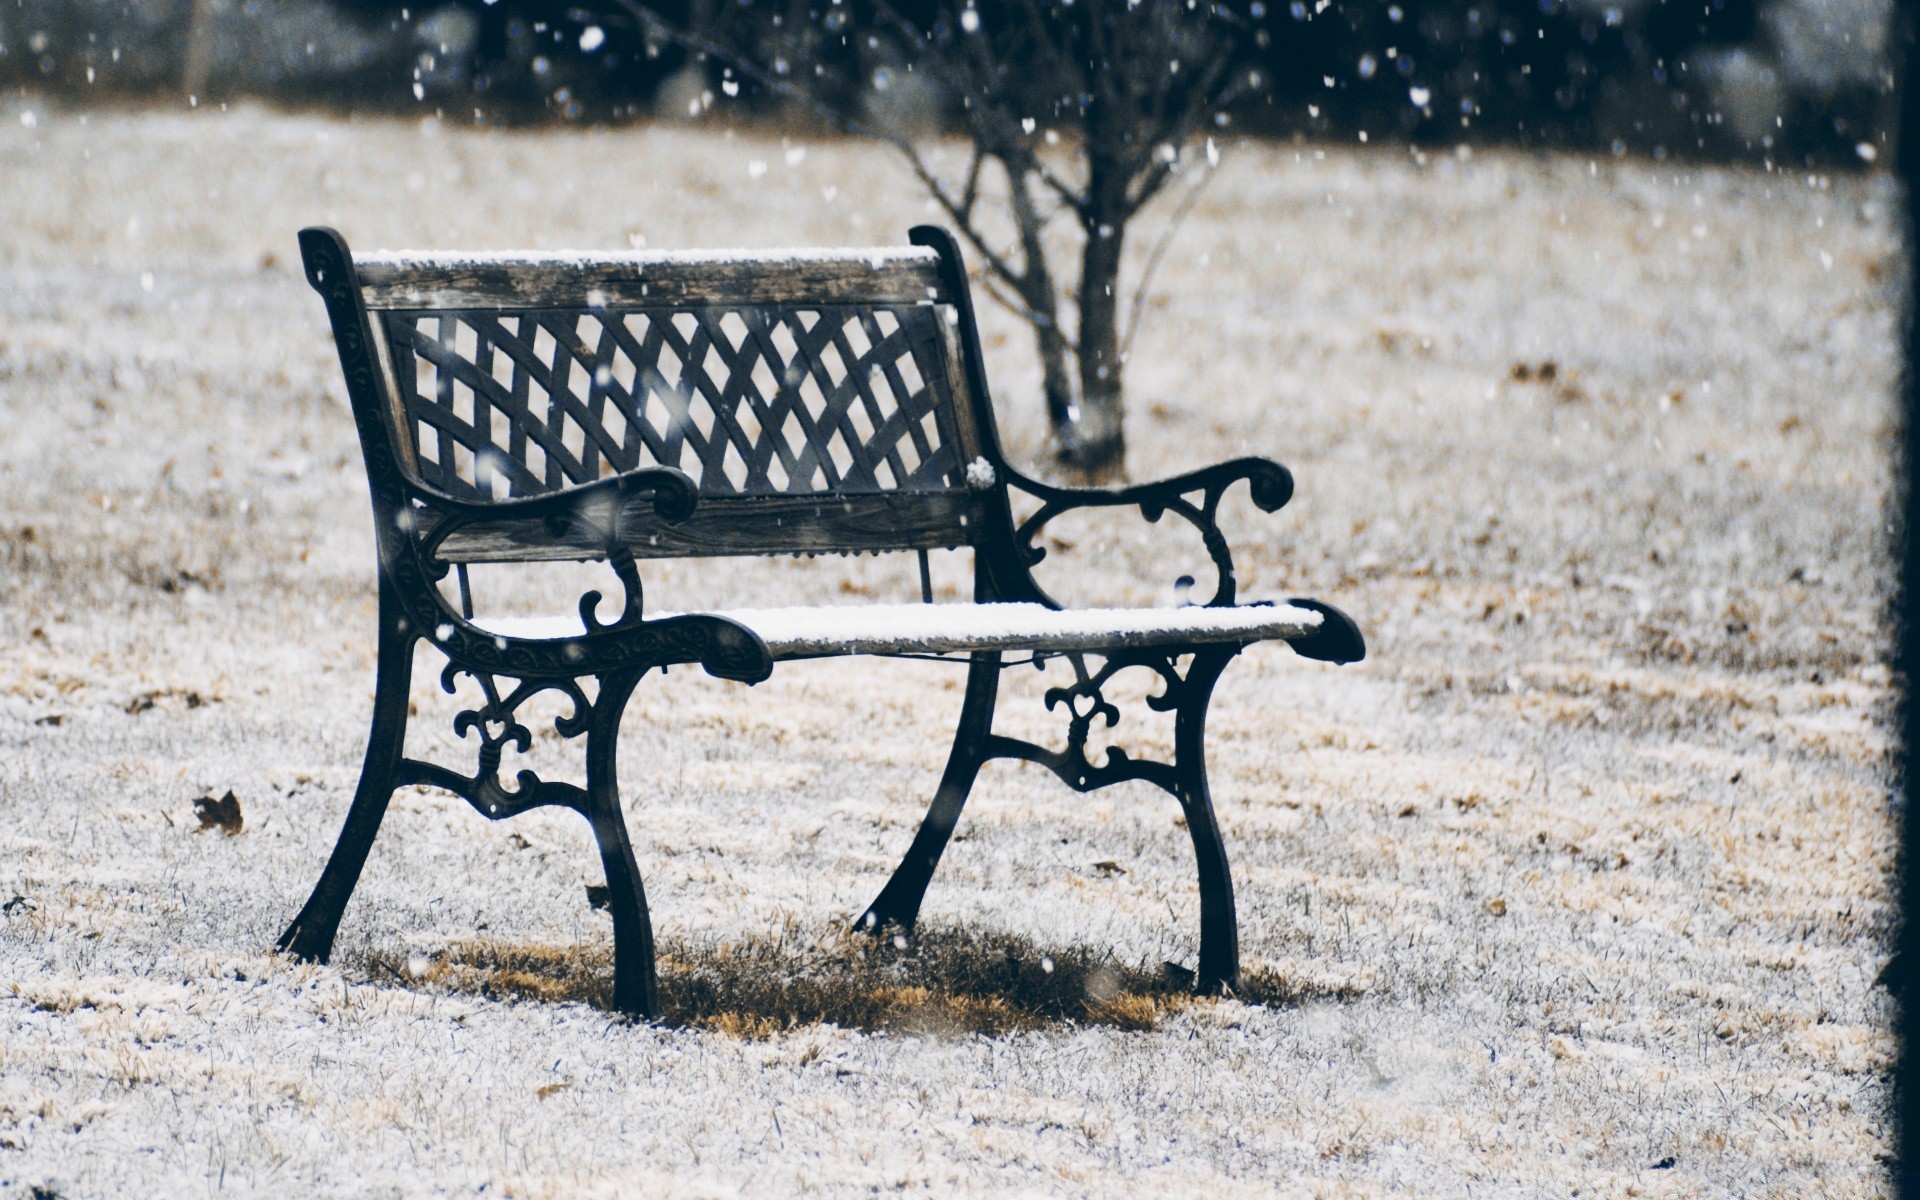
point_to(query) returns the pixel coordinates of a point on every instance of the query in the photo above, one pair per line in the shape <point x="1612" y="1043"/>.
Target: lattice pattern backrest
<point x="750" y="400"/>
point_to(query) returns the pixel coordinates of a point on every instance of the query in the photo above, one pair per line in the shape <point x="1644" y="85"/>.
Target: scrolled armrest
<point x="587" y="514"/>
<point x="591" y="506"/>
<point x="1269" y="485"/>
<point x="592" y="509"/>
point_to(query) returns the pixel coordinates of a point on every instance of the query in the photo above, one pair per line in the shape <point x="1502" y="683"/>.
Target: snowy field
<point x="1578" y="885"/>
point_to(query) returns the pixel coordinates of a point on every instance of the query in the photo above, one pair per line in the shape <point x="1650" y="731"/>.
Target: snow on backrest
<point x="784" y="374"/>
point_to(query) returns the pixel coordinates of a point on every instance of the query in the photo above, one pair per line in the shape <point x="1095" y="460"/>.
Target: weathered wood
<point x="731" y="526"/>
<point x="792" y="633"/>
<point x="891" y="276"/>
<point x="823" y="632"/>
<point x="396" y="408"/>
<point x="974" y="442"/>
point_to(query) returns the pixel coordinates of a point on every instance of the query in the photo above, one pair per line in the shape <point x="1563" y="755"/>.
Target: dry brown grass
<point x="942" y="982"/>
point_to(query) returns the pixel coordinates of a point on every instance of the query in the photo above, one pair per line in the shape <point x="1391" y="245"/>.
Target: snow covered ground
<point x="1580" y="882"/>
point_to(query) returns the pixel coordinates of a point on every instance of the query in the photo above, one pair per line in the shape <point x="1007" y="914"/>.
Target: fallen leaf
<point x="222" y="814"/>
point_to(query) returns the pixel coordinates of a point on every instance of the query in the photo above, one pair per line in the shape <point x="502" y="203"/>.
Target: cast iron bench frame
<point x="594" y="498"/>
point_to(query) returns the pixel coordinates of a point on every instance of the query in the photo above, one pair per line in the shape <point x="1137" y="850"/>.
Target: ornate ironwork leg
<point x="1219" y="931"/>
<point x="311" y="934"/>
<point x="634" y="985"/>
<point x="899" y="902"/>
<point x="1185" y="779"/>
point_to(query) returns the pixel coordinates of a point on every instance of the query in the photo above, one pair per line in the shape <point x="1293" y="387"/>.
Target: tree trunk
<point x="1098" y="445"/>
<point x="1095" y="440"/>
<point x="199" y="56"/>
<point x="1057" y="377"/>
<point x="1043" y="304"/>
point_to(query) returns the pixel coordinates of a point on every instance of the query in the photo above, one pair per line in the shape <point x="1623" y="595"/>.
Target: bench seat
<point x="943" y="628"/>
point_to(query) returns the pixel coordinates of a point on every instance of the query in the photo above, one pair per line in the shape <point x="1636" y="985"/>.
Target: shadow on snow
<point x="942" y="982"/>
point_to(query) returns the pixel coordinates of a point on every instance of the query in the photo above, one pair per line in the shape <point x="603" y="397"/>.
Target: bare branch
<point x="1079" y="201"/>
<point x="980" y="87"/>
<point x="1178" y="135"/>
<point x="1150" y="185"/>
<point x="1175" y="103"/>
<point x="1024" y="155"/>
<point x="745" y="64"/>
<point x="998" y="289"/>
<point x="967" y="230"/>
<point x="1153" y="260"/>
<point x="972" y="190"/>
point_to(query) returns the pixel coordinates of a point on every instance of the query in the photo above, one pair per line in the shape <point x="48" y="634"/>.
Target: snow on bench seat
<point x="453" y="260"/>
<point x="939" y="628"/>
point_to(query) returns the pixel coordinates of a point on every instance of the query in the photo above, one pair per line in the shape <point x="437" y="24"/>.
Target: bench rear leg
<point x="899" y="902"/>
<point x="310" y="936"/>
<point x="635" y="989"/>
<point x="1219" y="966"/>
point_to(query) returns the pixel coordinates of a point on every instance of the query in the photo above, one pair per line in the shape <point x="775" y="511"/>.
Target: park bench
<point x="620" y="407"/>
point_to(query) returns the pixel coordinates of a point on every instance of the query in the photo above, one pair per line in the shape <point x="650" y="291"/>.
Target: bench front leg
<point x="899" y="902"/>
<point x="635" y="989"/>
<point x="310" y="936"/>
<point x="1187" y="694"/>
<point x="1219" y="966"/>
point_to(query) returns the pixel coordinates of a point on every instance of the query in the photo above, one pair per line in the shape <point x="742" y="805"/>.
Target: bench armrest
<point x="1270" y="486"/>
<point x="589" y="514"/>
<point x="590" y="511"/>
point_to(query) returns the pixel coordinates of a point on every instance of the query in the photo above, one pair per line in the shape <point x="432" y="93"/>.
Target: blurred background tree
<point x="1075" y="114"/>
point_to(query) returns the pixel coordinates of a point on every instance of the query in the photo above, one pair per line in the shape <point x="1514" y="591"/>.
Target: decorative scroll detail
<point x="1269" y="484"/>
<point x="1084" y="702"/>
<point x="497" y="724"/>
<point x="591" y="516"/>
<point x="750" y="400"/>
<point x="723" y="647"/>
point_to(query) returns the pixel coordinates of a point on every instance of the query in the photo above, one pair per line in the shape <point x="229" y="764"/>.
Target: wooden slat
<point x="967" y="443"/>
<point x="823" y="631"/>
<point x="892" y="276"/>
<point x="747" y="525"/>
<point x="828" y="631"/>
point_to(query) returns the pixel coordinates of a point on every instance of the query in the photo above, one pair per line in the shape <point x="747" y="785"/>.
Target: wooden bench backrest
<point x="819" y="399"/>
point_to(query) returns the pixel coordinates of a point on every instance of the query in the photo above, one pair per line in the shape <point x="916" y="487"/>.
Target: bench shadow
<point x="943" y="982"/>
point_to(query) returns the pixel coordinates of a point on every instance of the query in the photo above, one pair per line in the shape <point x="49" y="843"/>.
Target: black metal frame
<point x="1185" y="779"/>
<point x="413" y="525"/>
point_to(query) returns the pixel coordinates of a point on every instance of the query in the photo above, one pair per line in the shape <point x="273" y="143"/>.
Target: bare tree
<point x="1088" y="109"/>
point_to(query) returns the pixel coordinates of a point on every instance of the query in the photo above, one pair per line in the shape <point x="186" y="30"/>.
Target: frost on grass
<point x="1582" y="874"/>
